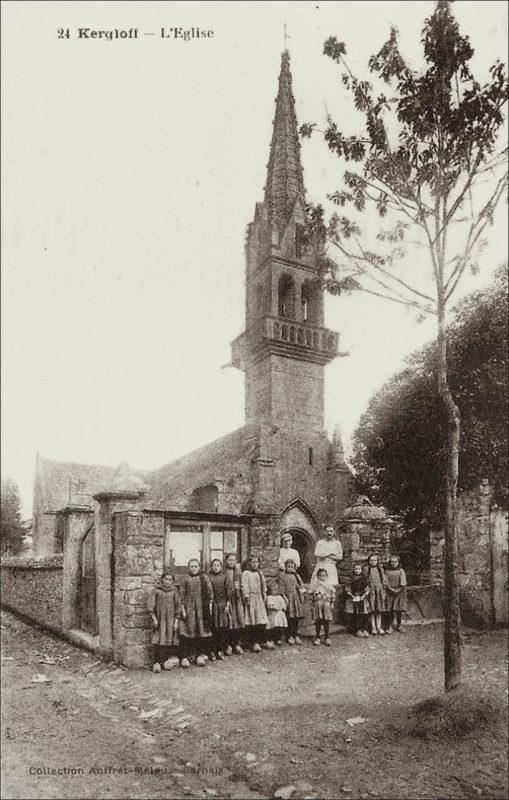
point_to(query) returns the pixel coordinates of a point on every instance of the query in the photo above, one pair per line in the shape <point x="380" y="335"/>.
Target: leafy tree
<point x="11" y="529"/>
<point x="427" y="159"/>
<point x="399" y="442"/>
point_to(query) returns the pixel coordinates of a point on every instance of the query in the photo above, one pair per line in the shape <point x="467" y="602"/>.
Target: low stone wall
<point x="33" y="587"/>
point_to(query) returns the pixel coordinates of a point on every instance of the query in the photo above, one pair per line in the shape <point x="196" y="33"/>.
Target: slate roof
<point x="61" y="483"/>
<point x="218" y="461"/>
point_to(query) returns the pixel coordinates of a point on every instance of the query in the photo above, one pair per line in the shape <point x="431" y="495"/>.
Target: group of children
<point x="376" y="597"/>
<point x="214" y="615"/>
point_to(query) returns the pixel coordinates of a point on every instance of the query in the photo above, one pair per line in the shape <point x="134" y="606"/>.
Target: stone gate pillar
<point x="109" y="503"/>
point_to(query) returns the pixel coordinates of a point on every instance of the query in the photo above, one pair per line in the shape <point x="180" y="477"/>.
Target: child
<point x="276" y="607"/>
<point x="195" y="620"/>
<point x="377" y="582"/>
<point x="322" y="602"/>
<point x="396" y="594"/>
<point x="293" y="590"/>
<point x="234" y="607"/>
<point x="254" y="594"/>
<point x="357" y="602"/>
<point x="164" y="608"/>
<point x="219" y="602"/>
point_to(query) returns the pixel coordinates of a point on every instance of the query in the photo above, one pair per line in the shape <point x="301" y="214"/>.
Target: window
<point x="286" y="297"/>
<point x="181" y="546"/>
<point x="224" y="542"/>
<point x="201" y="541"/>
<point x="300" y="242"/>
<point x="205" y="498"/>
<point x="307" y="302"/>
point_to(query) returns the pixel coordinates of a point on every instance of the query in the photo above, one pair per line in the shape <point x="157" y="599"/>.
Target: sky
<point x="131" y="168"/>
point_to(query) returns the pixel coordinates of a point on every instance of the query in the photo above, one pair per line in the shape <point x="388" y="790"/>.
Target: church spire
<point x="284" y="171"/>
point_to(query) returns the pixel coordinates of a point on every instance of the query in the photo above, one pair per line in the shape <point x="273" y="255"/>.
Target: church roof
<point x="227" y="457"/>
<point x="285" y="182"/>
<point x="63" y="483"/>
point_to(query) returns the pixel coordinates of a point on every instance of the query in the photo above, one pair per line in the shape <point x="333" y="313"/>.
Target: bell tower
<point x="285" y="346"/>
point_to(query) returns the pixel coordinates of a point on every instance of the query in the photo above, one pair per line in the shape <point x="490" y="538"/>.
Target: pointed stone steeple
<point x="284" y="171"/>
<point x="337" y="447"/>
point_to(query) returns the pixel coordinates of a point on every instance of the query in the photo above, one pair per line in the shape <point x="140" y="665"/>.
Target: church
<point x="114" y="529"/>
<point x="281" y="462"/>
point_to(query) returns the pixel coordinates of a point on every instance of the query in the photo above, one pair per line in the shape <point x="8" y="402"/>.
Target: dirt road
<point x="243" y="728"/>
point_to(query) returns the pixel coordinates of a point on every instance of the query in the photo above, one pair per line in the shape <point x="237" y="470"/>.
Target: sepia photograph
<point x="254" y="361"/>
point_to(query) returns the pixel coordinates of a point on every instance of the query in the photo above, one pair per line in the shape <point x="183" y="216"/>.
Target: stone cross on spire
<point x="285" y="181"/>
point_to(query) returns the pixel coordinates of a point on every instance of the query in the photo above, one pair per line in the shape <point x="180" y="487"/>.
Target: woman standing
<point x="287" y="551"/>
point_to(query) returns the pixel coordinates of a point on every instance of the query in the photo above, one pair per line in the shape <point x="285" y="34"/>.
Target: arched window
<point x="286" y="297"/>
<point x="307" y="302"/>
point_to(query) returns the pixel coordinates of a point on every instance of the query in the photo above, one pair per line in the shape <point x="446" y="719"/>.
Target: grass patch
<point x="461" y="713"/>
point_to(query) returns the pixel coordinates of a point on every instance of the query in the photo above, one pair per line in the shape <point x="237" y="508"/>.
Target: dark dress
<point x="396" y="579"/>
<point x="235" y="614"/>
<point x="165" y="605"/>
<point x="290" y="585"/>
<point x="358" y="586"/>
<point x="196" y="596"/>
<point x="219" y="601"/>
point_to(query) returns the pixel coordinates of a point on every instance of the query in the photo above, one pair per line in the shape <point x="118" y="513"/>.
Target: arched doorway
<point x="305" y="546"/>
<point x="299" y="520"/>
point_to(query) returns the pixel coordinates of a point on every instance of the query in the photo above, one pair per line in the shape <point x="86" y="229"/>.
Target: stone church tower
<point x="285" y="346"/>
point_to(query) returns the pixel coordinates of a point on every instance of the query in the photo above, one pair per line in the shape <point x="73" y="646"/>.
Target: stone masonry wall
<point x="34" y="588"/>
<point x="475" y="523"/>
<point x="138" y="557"/>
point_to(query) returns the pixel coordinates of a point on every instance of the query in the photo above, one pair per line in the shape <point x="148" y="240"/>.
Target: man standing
<point x="328" y="552"/>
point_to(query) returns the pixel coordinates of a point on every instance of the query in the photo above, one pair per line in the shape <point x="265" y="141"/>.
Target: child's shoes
<point x="257" y="648"/>
<point x="291" y="640"/>
<point x="316" y="641"/>
<point x="220" y="656"/>
<point x="238" y="650"/>
<point x="185" y="663"/>
<point x="360" y="635"/>
<point x="400" y="629"/>
<point x="200" y="661"/>
<point x="280" y="643"/>
<point x="171" y="662"/>
<point x="269" y="645"/>
<point x="156" y="668"/>
<point x="328" y="642"/>
<point x="388" y="630"/>
<point x="365" y="634"/>
<point x="211" y="657"/>
<point x="229" y="651"/>
<point x="298" y="640"/>
<point x="381" y="632"/>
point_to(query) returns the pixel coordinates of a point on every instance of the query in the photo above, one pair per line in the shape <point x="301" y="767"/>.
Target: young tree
<point x="11" y="529"/>
<point x="428" y="158"/>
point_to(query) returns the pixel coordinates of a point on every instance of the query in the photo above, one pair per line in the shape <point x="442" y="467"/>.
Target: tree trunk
<point x="452" y="634"/>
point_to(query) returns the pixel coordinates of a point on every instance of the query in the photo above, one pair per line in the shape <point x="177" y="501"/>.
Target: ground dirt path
<point x="245" y="727"/>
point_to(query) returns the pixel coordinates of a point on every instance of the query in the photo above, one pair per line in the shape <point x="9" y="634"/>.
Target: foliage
<point x="399" y="446"/>
<point x="427" y="160"/>
<point x="11" y="528"/>
<point x="428" y="142"/>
